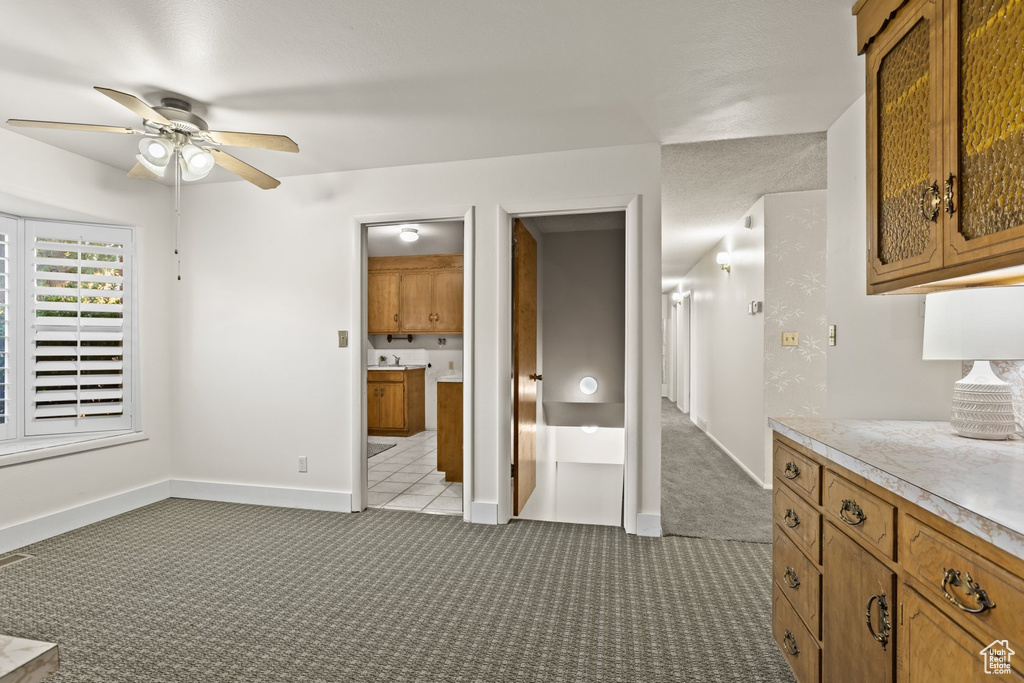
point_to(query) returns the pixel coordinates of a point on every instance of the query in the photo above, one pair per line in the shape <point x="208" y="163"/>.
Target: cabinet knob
<point x="396" y="317"/>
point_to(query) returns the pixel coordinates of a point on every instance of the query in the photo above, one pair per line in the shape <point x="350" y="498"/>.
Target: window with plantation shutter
<point x="78" y="328"/>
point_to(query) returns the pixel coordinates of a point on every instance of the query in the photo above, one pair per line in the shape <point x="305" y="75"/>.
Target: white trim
<point x="274" y="496"/>
<point x="358" y="360"/>
<point x="631" y="204"/>
<point x="746" y="469"/>
<point x="33" y="531"/>
<point x="648" y="524"/>
<point x="484" y="513"/>
<point x="31" y="449"/>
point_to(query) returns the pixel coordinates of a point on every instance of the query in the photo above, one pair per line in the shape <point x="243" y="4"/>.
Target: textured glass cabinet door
<point x="905" y="145"/>
<point x="984" y="182"/>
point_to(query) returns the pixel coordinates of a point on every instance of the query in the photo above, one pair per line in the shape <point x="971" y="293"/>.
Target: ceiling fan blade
<point x="87" y="127"/>
<point x="242" y="169"/>
<point x="140" y="172"/>
<point x="135" y="104"/>
<point x="277" y="143"/>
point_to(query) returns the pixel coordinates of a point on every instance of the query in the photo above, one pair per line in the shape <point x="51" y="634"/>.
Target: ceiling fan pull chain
<point x="177" y="208"/>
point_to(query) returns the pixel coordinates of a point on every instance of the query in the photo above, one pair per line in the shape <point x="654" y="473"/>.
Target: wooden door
<point x="373" y="405"/>
<point x="382" y="303"/>
<point x="855" y="584"/>
<point x="448" y="301"/>
<point x="524" y="365"/>
<point x="984" y="132"/>
<point x="416" y="294"/>
<point x="904" y="119"/>
<point x="933" y="648"/>
<point x="392" y="406"/>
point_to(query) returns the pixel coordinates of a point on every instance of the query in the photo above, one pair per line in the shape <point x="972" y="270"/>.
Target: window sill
<point x="43" y="447"/>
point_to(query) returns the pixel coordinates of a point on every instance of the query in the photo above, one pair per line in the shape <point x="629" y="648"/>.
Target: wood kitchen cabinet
<point x="415" y="294"/>
<point x="945" y="141"/>
<point x="449" y="430"/>
<point x="904" y="595"/>
<point x="395" y="402"/>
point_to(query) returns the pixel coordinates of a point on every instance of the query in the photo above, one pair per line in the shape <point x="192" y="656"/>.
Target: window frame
<point x="16" y="444"/>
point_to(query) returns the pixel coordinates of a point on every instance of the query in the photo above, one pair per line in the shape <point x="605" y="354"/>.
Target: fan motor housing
<point x="179" y="113"/>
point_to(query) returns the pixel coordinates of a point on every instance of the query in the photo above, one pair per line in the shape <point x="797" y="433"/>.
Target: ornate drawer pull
<point x="791" y="520"/>
<point x="931" y="200"/>
<point x="792" y="471"/>
<point x="396" y="317"/>
<point x="948" y="196"/>
<point x="789" y="643"/>
<point x="790" y="578"/>
<point x="952" y="577"/>
<point x="857" y="515"/>
<point x="883" y="610"/>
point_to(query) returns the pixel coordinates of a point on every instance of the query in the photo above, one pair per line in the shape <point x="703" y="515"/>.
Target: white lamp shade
<point x="984" y="323"/>
<point x="196" y="163"/>
<point x="722" y="258"/>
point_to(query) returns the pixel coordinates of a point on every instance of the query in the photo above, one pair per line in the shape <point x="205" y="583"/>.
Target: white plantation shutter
<point x="8" y="228"/>
<point x="78" y="328"/>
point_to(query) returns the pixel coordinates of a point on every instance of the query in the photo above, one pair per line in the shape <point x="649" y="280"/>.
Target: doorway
<point x="569" y="367"/>
<point x="416" y="390"/>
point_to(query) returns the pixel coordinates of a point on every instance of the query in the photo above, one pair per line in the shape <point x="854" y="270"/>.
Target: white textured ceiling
<point x="706" y="187"/>
<point x="365" y="83"/>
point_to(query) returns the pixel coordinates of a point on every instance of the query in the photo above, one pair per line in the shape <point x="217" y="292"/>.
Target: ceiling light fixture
<point x="409" y="234"/>
<point x="196" y="162"/>
<point x="155" y="154"/>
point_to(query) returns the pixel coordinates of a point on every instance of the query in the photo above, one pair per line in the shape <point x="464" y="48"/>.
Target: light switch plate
<point x="791" y="339"/>
<point x="343" y="339"/>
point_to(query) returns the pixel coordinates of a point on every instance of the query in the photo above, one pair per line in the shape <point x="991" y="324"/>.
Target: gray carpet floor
<point x="373" y="449"/>
<point x="704" y="493"/>
<point x="196" y="591"/>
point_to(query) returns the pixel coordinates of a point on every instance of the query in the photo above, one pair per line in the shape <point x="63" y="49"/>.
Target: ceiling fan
<point x="171" y="131"/>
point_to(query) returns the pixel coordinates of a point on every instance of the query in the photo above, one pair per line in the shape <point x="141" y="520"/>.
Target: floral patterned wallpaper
<point x="794" y="273"/>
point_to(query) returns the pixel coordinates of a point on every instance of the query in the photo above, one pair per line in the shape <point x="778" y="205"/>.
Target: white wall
<point x="270" y="277"/>
<point x="39" y="180"/>
<point x="727" y="353"/>
<point x="875" y="370"/>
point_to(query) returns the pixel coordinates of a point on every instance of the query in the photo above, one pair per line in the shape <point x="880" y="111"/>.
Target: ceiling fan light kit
<point x="172" y="129"/>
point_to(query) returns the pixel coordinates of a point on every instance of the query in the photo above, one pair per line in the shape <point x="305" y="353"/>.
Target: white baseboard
<point x="648" y="524"/>
<point x="484" y="513"/>
<point x="304" y="499"/>
<point x="40" y="529"/>
<point x="746" y="469"/>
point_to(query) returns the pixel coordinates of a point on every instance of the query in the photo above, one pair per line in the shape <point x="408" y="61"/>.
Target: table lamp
<point x="981" y="325"/>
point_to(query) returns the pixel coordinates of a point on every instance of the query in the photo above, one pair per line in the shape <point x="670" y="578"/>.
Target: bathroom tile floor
<point x="406" y="478"/>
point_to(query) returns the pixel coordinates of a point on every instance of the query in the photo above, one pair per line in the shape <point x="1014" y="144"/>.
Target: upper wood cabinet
<point x="945" y="141"/>
<point x="415" y="294"/>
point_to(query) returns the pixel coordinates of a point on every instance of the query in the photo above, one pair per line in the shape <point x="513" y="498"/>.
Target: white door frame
<point x="359" y="336"/>
<point x="631" y="204"/>
<point x="683" y="340"/>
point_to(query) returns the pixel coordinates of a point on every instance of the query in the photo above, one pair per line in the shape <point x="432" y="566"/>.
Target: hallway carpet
<point x="202" y="592"/>
<point x="704" y="493"/>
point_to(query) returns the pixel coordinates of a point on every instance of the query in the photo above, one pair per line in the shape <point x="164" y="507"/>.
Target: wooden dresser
<point x="876" y="576"/>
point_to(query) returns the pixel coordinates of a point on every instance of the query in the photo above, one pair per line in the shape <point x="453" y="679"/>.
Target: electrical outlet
<point x="451" y="365"/>
<point x="303" y="464"/>
<point x="831" y="335"/>
<point x="791" y="339"/>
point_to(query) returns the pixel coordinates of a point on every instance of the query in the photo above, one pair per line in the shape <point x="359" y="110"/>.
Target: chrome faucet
<point x="396" y="359"/>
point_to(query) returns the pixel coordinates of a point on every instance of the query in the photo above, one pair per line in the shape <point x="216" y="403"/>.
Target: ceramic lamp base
<point x="983" y="405"/>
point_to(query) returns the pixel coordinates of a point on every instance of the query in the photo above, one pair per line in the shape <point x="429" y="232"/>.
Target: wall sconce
<point x="588" y="385"/>
<point x="722" y="259"/>
<point x="677" y="298"/>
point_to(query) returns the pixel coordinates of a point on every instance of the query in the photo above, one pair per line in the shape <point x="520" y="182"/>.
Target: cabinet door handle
<point x="791" y="519"/>
<point x="951" y="577"/>
<point x="789" y="642"/>
<point x="790" y="578"/>
<point x="948" y="195"/>
<point x="396" y="317"/>
<point x="882" y="636"/>
<point x="792" y="471"/>
<point x="857" y="515"/>
<point x="931" y="199"/>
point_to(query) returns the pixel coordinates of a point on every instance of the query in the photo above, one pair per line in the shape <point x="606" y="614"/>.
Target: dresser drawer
<point x="942" y="566"/>
<point x="797" y="645"/>
<point x="798" y="579"/>
<point x="797" y="471"/>
<point x="385" y="375"/>
<point x="800" y="521"/>
<point x="861" y="514"/>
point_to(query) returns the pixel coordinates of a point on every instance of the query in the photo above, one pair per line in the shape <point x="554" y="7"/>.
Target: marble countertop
<point x="977" y="485"/>
<point x="26" y="661"/>
<point x="395" y="367"/>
